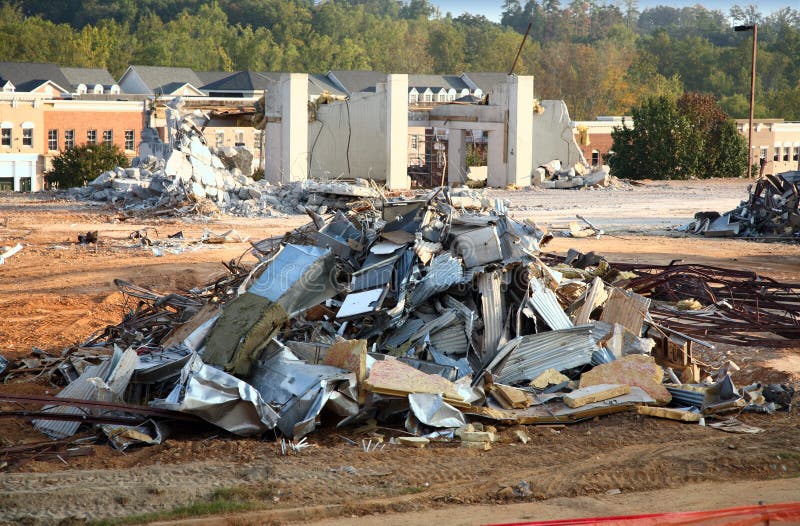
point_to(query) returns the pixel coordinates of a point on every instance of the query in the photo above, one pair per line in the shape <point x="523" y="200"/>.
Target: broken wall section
<point x="362" y="137"/>
<point x="553" y="137"/>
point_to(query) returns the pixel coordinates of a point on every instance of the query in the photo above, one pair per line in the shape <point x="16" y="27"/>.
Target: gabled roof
<point x="318" y="83"/>
<point x="354" y="81"/>
<point x="27" y="76"/>
<point x="484" y="80"/>
<point x="243" y="81"/>
<point x="436" y="82"/>
<point x="89" y="77"/>
<point x="207" y="77"/>
<point x="165" y="79"/>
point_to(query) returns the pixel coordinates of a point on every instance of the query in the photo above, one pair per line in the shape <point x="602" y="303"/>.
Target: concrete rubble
<point x="553" y="176"/>
<point x="771" y="210"/>
<point x="186" y="175"/>
<point x="440" y="321"/>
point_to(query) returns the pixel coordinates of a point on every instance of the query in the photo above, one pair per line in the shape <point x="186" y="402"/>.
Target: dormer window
<point x="8" y="87"/>
<point x="81" y="89"/>
<point x="98" y="89"/>
<point x="114" y="90"/>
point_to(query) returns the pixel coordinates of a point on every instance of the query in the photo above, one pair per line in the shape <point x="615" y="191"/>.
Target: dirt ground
<point x="56" y="293"/>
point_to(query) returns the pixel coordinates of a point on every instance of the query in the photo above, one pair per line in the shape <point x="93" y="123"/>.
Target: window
<point x="6" y="138"/>
<point x="414" y="142"/>
<point x="796" y="155"/>
<point x="219" y="137"/>
<point x="91" y="136"/>
<point x="786" y="150"/>
<point x="52" y="140"/>
<point x="595" y="157"/>
<point x="108" y="136"/>
<point x="763" y="154"/>
<point x="239" y="139"/>
<point x="129" y="142"/>
<point x="413" y="98"/>
<point x="776" y="156"/>
<point x="429" y="97"/>
<point x="27" y="137"/>
<point x="69" y="139"/>
<point x="441" y="97"/>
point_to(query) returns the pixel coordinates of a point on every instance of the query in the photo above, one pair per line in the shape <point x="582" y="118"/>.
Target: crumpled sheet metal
<point x="444" y="272"/>
<point x="299" y="390"/>
<point x="298" y="278"/>
<point x="545" y="303"/>
<point x="147" y="433"/>
<point x="527" y="357"/>
<point x="219" y="398"/>
<point x="432" y="410"/>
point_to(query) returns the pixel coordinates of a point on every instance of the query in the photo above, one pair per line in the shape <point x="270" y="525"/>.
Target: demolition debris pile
<point x="772" y="209"/>
<point x="421" y="315"/>
<point x="187" y="176"/>
<point x="553" y="176"/>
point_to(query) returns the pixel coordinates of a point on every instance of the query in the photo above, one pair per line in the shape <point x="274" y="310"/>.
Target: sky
<point x="492" y="9"/>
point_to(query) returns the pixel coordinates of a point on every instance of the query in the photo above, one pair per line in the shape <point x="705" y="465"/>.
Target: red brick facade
<point x="115" y="123"/>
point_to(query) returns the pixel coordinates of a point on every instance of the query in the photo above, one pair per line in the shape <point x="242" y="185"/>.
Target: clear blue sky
<point x="492" y="9"/>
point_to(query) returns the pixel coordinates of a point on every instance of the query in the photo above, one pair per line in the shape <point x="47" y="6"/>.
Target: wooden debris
<point x="510" y="397"/>
<point x="636" y="369"/>
<point x="595" y="393"/>
<point x="669" y="413"/>
<point x="418" y="442"/>
<point x="627" y="308"/>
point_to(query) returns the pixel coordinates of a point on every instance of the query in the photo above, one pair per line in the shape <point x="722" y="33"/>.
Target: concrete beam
<point x="397" y="132"/>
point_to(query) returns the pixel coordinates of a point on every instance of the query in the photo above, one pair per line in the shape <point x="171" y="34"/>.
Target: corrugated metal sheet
<point x="81" y="389"/>
<point x="451" y="339"/>
<point x="529" y="356"/>
<point x="444" y="272"/>
<point x="627" y="308"/>
<point x="492" y="309"/>
<point x="545" y="303"/>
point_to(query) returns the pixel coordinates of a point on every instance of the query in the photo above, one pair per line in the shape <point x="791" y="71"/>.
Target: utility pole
<point x="754" y="28"/>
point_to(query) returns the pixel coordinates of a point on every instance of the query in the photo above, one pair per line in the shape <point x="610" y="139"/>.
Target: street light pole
<point x="754" y="27"/>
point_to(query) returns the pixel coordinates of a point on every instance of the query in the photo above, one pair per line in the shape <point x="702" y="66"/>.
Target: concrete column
<point x="273" y="152"/>
<point x="397" y="132"/>
<point x="519" y="156"/>
<point x="294" y="127"/>
<point x="494" y="159"/>
<point x="456" y="156"/>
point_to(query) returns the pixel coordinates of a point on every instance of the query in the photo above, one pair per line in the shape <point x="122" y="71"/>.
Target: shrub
<point x="78" y="165"/>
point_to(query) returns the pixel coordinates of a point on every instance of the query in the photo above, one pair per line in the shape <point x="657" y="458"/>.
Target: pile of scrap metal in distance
<point x="772" y="210"/>
<point x="424" y="315"/>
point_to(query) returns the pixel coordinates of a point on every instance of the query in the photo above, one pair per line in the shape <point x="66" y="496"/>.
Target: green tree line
<point x="603" y="59"/>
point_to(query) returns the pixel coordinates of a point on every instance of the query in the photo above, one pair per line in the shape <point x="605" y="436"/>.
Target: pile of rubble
<point x="553" y="176"/>
<point x="422" y="315"/>
<point x="772" y="209"/>
<point x="186" y="175"/>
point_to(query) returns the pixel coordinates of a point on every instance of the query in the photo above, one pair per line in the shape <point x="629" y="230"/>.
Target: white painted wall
<point x="357" y="126"/>
<point x="553" y="137"/>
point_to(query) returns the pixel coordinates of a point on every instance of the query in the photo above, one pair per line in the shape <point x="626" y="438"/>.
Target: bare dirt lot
<point x="56" y="293"/>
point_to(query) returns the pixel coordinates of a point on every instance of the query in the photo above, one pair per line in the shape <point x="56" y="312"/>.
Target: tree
<point x="677" y="139"/>
<point x="78" y="165"/>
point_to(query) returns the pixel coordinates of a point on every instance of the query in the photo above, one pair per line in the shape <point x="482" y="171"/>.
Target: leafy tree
<point x="78" y="165"/>
<point x="677" y="139"/>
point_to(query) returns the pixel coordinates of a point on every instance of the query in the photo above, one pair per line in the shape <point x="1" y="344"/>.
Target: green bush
<point x="677" y="139"/>
<point x="78" y="165"/>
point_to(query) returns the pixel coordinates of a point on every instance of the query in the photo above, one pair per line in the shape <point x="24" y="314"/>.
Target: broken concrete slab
<point x="595" y="393"/>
